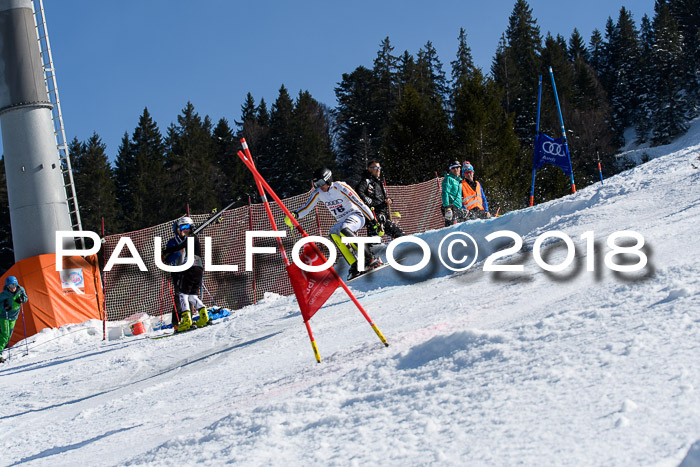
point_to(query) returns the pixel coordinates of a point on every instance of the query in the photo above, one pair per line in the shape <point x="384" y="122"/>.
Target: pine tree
<point x="411" y="149"/>
<point x="671" y="103"/>
<point x="281" y="164"/>
<point x="645" y="111"/>
<point x="577" y="47"/>
<point x="247" y="109"/>
<point x="237" y="182"/>
<point x="254" y="127"/>
<point x="426" y="77"/>
<point x="463" y="70"/>
<point x="471" y="114"/>
<point x="190" y="162"/>
<point x="262" y="114"/>
<point x="483" y="131"/>
<point x="407" y="74"/>
<point x="126" y="179"/>
<point x="607" y="73"/>
<point x="467" y="102"/>
<point x="463" y="65"/>
<point x="260" y="141"/>
<point x="357" y="128"/>
<point x="523" y="43"/>
<point x="484" y="135"/>
<point x="585" y="94"/>
<point x="624" y="59"/>
<point x="431" y="81"/>
<point x="94" y="184"/>
<point x="555" y="55"/>
<point x="687" y="15"/>
<point x="502" y="69"/>
<point x="149" y="151"/>
<point x="314" y="143"/>
<point x="387" y="92"/>
<point x="140" y="178"/>
<point x="596" y="51"/>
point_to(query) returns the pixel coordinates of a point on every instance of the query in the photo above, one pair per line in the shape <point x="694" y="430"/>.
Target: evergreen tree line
<point x="407" y="112"/>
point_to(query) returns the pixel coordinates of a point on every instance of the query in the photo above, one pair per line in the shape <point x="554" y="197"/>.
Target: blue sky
<point x="113" y="59"/>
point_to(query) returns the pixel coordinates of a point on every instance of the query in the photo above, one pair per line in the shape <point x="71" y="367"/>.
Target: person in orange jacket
<point x="474" y="199"/>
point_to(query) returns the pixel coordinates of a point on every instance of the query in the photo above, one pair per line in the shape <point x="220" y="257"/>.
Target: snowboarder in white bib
<point x="350" y="212"/>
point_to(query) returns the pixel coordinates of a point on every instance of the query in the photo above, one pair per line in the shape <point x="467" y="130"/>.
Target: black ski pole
<point x="212" y="219"/>
<point x="21" y="309"/>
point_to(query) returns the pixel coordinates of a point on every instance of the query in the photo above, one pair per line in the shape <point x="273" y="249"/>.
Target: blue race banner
<point x="551" y="151"/>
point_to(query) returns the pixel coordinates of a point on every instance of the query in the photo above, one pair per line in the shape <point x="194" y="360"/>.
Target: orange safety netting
<point x="129" y="290"/>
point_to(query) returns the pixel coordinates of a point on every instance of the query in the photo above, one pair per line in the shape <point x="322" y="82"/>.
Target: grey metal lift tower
<point x="41" y="202"/>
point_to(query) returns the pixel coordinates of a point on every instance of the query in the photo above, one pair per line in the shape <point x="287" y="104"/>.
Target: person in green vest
<point x="11" y="298"/>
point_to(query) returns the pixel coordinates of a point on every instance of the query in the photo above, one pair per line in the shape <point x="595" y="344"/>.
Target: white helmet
<point x="184" y="221"/>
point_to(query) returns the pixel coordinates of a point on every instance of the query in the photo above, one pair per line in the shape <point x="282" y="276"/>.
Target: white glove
<point x="448" y="214"/>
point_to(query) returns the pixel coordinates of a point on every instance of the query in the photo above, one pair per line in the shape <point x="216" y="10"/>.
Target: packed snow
<point x="576" y="367"/>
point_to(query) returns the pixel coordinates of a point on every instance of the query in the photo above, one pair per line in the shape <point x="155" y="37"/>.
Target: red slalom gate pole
<point x="247" y="160"/>
<point x="102" y="279"/>
<point x="271" y="218"/>
<point x="250" y="226"/>
<point x="172" y="295"/>
<point x="162" y="289"/>
<point x="265" y="201"/>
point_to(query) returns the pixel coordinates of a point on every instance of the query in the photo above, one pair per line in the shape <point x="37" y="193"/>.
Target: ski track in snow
<point x="532" y="368"/>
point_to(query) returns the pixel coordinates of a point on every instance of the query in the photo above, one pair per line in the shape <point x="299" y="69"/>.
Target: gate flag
<point x="312" y="289"/>
<point x="551" y="151"/>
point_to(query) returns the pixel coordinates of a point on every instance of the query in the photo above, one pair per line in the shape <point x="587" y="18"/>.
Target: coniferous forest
<point x="414" y="113"/>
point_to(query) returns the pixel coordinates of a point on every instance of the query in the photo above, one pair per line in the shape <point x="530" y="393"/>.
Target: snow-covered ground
<point x="575" y="367"/>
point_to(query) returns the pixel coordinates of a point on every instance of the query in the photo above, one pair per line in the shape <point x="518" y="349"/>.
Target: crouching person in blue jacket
<point x="11" y="298"/>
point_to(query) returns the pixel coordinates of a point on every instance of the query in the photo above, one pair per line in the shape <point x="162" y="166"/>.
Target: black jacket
<point x="372" y="192"/>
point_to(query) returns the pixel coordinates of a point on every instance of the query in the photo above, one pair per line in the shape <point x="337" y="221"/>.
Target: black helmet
<point x="453" y="164"/>
<point x="323" y="176"/>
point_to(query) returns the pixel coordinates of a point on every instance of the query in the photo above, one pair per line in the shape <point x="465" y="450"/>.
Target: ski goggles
<point x="185" y="226"/>
<point x="319" y="183"/>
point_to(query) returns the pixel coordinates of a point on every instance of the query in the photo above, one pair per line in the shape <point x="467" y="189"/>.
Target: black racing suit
<point x="372" y="192"/>
<point x="188" y="282"/>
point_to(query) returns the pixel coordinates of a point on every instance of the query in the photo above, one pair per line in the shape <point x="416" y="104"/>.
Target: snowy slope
<point x="483" y="368"/>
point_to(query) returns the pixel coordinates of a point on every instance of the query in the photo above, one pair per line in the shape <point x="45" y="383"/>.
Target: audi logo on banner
<point x="553" y="149"/>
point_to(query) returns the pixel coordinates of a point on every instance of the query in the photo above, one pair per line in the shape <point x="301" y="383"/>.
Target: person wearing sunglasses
<point x="372" y="192"/>
<point x="11" y="299"/>
<point x="350" y="213"/>
<point x="187" y="283"/>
